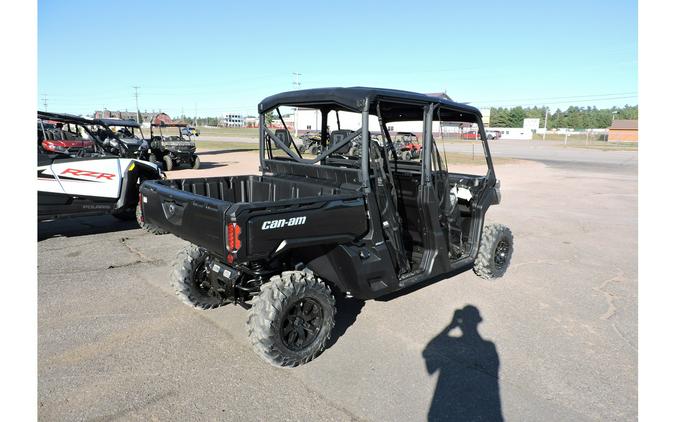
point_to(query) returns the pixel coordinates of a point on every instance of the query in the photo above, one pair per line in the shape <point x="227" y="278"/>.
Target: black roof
<point x="117" y="122"/>
<point x="71" y="118"/>
<point x="352" y="99"/>
<point x="65" y="118"/>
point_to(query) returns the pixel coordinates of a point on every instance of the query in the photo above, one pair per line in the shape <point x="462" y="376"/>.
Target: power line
<point x="44" y="101"/>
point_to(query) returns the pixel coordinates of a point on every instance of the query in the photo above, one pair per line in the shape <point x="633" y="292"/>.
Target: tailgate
<point x="195" y="218"/>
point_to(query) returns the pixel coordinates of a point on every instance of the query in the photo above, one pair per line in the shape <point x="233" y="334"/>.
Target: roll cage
<point x="385" y="104"/>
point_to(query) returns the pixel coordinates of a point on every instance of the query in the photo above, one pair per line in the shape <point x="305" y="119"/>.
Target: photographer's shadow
<point x="468" y="366"/>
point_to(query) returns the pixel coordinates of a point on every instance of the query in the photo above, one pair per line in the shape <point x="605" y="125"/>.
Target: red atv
<point x="407" y="146"/>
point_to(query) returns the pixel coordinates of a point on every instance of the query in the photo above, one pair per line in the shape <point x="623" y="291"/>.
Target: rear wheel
<point x="495" y="251"/>
<point x="291" y="319"/>
<point x="147" y="226"/>
<point x="168" y="163"/>
<point x="314" y="149"/>
<point x="195" y="163"/>
<point x="190" y="279"/>
<point x="405" y="155"/>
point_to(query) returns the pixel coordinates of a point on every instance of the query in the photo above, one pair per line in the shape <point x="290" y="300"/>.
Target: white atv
<point x="83" y="183"/>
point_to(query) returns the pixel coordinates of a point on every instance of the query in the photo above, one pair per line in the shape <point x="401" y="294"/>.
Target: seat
<point x="338" y="135"/>
<point x="284" y="136"/>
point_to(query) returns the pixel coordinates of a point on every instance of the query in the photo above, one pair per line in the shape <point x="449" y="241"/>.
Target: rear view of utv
<point x="283" y="244"/>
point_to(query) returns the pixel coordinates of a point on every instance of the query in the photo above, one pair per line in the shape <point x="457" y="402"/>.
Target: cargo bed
<point x="268" y="210"/>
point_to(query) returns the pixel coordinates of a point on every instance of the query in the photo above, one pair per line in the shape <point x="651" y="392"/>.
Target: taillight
<point x="233" y="237"/>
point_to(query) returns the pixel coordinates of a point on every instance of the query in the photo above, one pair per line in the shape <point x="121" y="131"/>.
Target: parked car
<point x="189" y="131"/>
<point x="282" y="244"/>
<point x="471" y="135"/>
<point x="493" y="134"/>
<point x="172" y="150"/>
<point x="88" y="182"/>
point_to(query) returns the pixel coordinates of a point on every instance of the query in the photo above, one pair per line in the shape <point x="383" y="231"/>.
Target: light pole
<point x="545" y="122"/>
<point x="296" y="83"/>
<point x="138" y="111"/>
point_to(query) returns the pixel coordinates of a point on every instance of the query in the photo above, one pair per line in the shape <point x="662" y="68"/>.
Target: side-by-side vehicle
<point x="285" y="242"/>
<point x="91" y="181"/>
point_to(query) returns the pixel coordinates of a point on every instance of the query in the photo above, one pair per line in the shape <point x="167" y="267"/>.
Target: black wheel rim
<point x="501" y="253"/>
<point x="301" y="324"/>
<point x="200" y="278"/>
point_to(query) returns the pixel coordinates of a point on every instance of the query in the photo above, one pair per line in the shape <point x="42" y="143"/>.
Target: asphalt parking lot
<point x="558" y="333"/>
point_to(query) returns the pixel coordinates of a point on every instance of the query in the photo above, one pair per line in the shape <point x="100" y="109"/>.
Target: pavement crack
<point x="623" y="337"/>
<point x="144" y="258"/>
<point x="609" y="296"/>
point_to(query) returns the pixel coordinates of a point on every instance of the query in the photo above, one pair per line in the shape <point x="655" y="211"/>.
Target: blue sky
<point x="214" y="56"/>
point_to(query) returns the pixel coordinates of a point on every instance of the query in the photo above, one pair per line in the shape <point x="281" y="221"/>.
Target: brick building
<point x="623" y="131"/>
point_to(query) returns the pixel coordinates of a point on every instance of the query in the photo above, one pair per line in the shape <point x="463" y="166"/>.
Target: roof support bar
<point x="365" y="143"/>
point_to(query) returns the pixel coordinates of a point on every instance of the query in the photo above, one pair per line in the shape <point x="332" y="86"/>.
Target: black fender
<point x="131" y="182"/>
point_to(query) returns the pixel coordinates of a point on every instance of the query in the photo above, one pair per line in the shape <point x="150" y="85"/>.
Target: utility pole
<point x="44" y="101"/>
<point x="138" y="111"/>
<point x="296" y="83"/>
<point x="545" y="121"/>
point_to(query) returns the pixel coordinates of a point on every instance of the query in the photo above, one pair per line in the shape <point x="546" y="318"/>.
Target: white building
<point x="233" y="120"/>
<point x="310" y="119"/>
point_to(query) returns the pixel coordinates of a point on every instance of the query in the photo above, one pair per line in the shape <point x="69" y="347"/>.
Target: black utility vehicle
<point x="282" y="244"/>
<point x="123" y="137"/>
<point x="173" y="150"/>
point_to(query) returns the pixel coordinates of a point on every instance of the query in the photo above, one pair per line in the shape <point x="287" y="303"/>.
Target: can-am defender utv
<point x="84" y="182"/>
<point x="283" y="243"/>
<point x="172" y="150"/>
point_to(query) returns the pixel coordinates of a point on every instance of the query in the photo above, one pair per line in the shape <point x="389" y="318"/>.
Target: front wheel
<point x="291" y="319"/>
<point x="168" y="163"/>
<point x="195" y="163"/>
<point x="494" y="252"/>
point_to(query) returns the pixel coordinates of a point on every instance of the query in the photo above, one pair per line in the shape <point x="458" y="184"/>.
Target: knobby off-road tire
<point x="168" y="163"/>
<point x="147" y="226"/>
<point x="195" y="163"/>
<point x="188" y="271"/>
<point x="295" y="302"/>
<point x="494" y="252"/>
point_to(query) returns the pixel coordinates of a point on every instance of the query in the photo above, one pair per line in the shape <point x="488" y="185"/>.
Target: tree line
<point x="573" y="117"/>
